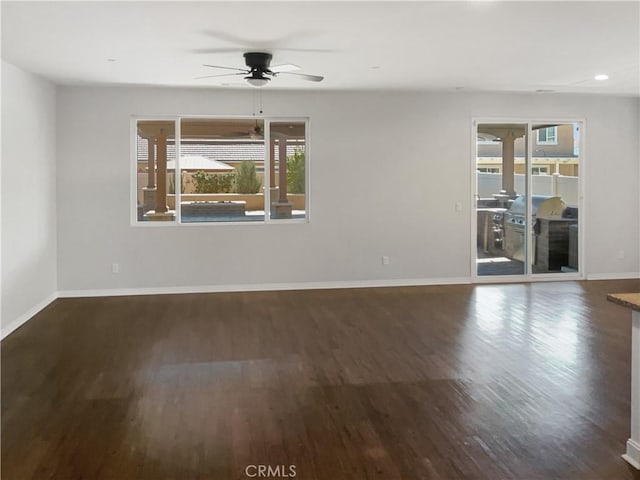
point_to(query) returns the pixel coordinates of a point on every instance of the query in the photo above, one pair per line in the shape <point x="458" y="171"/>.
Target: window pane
<point x="155" y="141"/>
<point x="221" y="170"/>
<point x="287" y="172"/>
<point x="548" y="135"/>
<point x="542" y="135"/>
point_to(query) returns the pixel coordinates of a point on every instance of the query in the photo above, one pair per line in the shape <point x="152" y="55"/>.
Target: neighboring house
<point x="555" y="150"/>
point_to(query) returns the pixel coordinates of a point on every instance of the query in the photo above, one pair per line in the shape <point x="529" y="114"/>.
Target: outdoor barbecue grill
<point x="514" y="223"/>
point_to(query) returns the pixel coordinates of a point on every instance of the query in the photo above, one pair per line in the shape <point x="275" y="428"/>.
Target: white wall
<point x="404" y="160"/>
<point x="29" y="265"/>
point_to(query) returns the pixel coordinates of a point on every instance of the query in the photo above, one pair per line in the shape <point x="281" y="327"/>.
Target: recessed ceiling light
<point x="111" y="59"/>
<point x="601" y="76"/>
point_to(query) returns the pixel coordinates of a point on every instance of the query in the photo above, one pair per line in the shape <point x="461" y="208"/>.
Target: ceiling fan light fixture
<point x="257" y="81"/>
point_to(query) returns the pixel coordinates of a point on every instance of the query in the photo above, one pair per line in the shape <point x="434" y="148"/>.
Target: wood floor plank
<point x="486" y="382"/>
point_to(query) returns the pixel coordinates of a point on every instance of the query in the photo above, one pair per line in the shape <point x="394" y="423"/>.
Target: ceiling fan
<point x="259" y="70"/>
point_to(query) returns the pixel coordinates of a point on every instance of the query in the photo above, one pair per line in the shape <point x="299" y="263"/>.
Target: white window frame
<point x="547" y="142"/>
<point x="267" y="220"/>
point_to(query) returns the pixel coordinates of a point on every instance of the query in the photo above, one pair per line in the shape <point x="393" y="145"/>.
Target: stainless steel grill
<point x="517" y="213"/>
<point x="514" y="224"/>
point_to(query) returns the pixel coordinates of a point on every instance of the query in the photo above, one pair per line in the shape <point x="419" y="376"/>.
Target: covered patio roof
<point x="218" y="128"/>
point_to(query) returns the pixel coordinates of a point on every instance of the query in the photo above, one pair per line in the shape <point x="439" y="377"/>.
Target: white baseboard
<point x="633" y="454"/>
<point x="613" y="276"/>
<point x="407" y="282"/>
<point x="22" y="319"/>
<point x="264" y="287"/>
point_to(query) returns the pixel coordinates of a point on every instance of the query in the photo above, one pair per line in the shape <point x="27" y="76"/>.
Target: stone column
<point x="508" y="160"/>
<point x="161" y="191"/>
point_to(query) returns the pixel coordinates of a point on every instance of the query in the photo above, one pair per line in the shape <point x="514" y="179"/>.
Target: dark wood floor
<point x="517" y="382"/>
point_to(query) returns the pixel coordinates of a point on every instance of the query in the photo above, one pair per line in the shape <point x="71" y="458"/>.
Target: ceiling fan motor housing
<point x="258" y="61"/>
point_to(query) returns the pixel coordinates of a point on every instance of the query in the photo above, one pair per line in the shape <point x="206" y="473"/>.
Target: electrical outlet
<point x="458" y="206"/>
<point x="385" y="260"/>
<point x="115" y="268"/>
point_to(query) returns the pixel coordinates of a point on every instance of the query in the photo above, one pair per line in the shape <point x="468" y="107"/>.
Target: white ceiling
<point x="476" y="45"/>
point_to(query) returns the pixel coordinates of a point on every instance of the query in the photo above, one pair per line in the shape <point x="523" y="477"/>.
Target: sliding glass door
<point x="527" y="197"/>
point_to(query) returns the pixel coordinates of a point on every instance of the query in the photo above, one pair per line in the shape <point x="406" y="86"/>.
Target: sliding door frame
<point x="528" y="276"/>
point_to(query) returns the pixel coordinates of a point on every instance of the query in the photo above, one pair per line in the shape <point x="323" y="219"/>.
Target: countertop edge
<point x="629" y="300"/>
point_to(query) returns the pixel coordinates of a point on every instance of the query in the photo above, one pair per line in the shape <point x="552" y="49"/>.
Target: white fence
<point x="554" y="185"/>
<point x="490" y="183"/>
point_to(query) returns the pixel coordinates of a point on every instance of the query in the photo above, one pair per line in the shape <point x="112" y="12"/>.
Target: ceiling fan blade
<point x="220" y="75"/>
<point x="213" y="51"/>
<point x="270" y="44"/>
<point x="287" y="67"/>
<point x="305" y="76"/>
<point x="209" y="51"/>
<point x="244" y="70"/>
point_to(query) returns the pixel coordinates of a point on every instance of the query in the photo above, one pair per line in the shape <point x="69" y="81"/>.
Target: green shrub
<point x="296" y="171"/>
<point x="247" y="180"/>
<point x="213" y="182"/>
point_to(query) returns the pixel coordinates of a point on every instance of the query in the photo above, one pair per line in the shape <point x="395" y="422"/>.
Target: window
<point x="489" y="169"/>
<point x="195" y="170"/>
<point x="539" y="170"/>
<point x="547" y="136"/>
